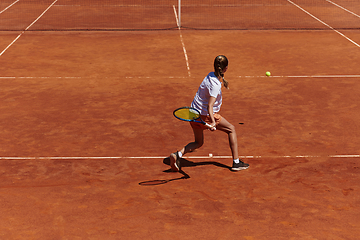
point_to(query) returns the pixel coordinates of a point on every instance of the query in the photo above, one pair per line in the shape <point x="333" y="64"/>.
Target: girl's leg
<point x="190" y="147"/>
<point x="199" y="141"/>
<point x="228" y="128"/>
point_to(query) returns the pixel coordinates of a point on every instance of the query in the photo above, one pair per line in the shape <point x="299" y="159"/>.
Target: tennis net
<point x="120" y="15"/>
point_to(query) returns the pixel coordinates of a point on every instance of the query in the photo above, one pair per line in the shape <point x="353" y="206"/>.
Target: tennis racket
<point x="190" y="114"/>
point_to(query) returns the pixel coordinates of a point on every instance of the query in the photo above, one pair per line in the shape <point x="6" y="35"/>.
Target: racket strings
<point x="187" y="114"/>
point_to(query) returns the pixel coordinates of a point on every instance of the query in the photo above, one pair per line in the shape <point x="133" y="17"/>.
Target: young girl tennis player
<point x="207" y="101"/>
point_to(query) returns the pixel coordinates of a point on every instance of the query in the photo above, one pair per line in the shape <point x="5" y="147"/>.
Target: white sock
<point x="180" y="154"/>
<point x="236" y="160"/>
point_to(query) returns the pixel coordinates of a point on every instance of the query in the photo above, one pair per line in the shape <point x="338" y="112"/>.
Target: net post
<point x="179" y="13"/>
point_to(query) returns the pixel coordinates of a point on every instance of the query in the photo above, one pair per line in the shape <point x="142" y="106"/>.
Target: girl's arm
<point x="211" y="111"/>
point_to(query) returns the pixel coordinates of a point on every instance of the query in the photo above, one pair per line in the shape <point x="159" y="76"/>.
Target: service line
<point x="182" y="77"/>
<point x="304" y="76"/>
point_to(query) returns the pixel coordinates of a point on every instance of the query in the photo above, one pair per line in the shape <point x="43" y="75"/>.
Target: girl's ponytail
<point x="220" y="63"/>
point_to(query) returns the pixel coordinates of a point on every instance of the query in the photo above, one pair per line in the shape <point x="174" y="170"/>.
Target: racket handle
<point x="209" y="126"/>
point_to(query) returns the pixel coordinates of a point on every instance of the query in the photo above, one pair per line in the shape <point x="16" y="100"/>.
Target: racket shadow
<point x="163" y="181"/>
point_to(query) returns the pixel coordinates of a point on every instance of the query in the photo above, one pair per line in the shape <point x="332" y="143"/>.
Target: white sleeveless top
<point x="210" y="87"/>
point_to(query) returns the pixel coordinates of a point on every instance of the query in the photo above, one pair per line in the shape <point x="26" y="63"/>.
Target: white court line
<point x="182" y="42"/>
<point x="26" y="29"/>
<point x="343" y="8"/>
<point x="8" y="7"/>
<point x="182" y="77"/>
<point x="323" y="76"/>
<point x="343" y="35"/>
<point x="186" y="157"/>
<point x="11" y="44"/>
<point x="305" y="76"/>
<point x="112" y="5"/>
<point x="41" y="15"/>
<point x="37" y="77"/>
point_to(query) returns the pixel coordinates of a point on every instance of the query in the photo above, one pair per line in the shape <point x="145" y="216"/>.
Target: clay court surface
<point x="86" y="127"/>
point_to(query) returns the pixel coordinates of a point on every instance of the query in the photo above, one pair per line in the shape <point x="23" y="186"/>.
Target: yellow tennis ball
<point x="268" y="73"/>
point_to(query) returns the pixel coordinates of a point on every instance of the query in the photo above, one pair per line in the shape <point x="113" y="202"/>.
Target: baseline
<point x="189" y="157"/>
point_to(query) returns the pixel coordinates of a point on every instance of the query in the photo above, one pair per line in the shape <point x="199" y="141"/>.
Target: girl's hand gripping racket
<point x="190" y="115"/>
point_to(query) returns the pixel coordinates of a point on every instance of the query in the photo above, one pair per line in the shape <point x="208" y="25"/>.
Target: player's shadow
<point x="184" y="163"/>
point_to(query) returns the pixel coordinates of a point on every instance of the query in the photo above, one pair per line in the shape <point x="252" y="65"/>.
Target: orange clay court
<point x="86" y="127"/>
